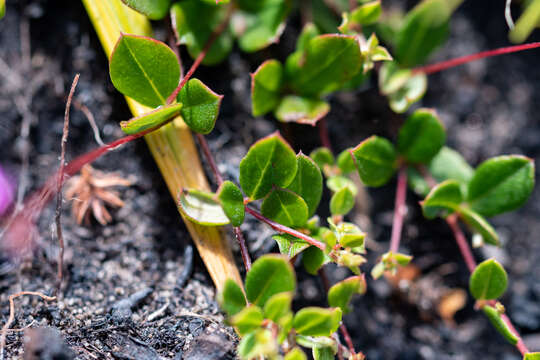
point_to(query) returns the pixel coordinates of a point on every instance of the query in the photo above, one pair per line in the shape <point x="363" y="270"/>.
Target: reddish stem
<point x="210" y="158"/>
<point x="461" y="242"/>
<point x="434" y="68"/>
<point x="399" y="209"/>
<point x="243" y="247"/>
<point x="347" y="338"/>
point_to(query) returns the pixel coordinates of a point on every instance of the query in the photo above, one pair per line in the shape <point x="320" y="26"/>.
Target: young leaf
<point x="269" y="275"/>
<point x="278" y="306"/>
<point x="301" y="110"/>
<point x="150" y="120"/>
<point x="266" y="83"/>
<point x="201" y="208"/>
<point x="365" y="14"/>
<point x="494" y="317"/>
<point x="315" y="321"/>
<point x="345" y="161"/>
<point x="295" y="354"/>
<point x="247" y="320"/>
<point x="313" y="258"/>
<point x="231" y="299"/>
<point x="501" y="184"/>
<point x="200" y="106"/>
<point x="401" y="86"/>
<point x="322" y="157"/>
<point x="309" y="31"/>
<point x="232" y="202"/>
<point x="308" y="182"/>
<point x="480" y="225"/>
<point x="375" y="160"/>
<point x="336" y="183"/>
<point x="153" y="9"/>
<point x="290" y="245"/>
<point x="259" y="343"/>
<point x="270" y="161"/>
<point x="342" y="202"/>
<point x="144" y="69"/>
<point x="488" y="281"/>
<point x="323" y="353"/>
<point x="532" y="356"/>
<point x="349" y="236"/>
<point x="446" y="196"/>
<point x="421" y="137"/>
<point x="285" y="207"/>
<point x="315" y="342"/>
<point x="341" y="293"/>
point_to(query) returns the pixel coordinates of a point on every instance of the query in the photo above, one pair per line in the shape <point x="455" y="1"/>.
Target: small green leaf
<point x="488" y="281"/>
<point x="144" y="69"/>
<point x="532" y="356"/>
<point x="308" y="182"/>
<point x="259" y="343"/>
<point x="501" y="184"/>
<point x="367" y="13"/>
<point x="341" y="293"/>
<point x="315" y="342"/>
<point x="278" y="306"/>
<point x="400" y="86"/>
<point x="316" y="321"/>
<point x="201" y="208"/>
<point x="494" y="317"/>
<point x="342" y="202"/>
<point x="301" y="110"/>
<point x="349" y="235"/>
<point x="232" y="201"/>
<point x="290" y="245"/>
<point x="270" y="161"/>
<point x="480" y="225"/>
<point x="2" y="8"/>
<point x="266" y="83"/>
<point x="153" y="9"/>
<point x="390" y="261"/>
<point x="421" y="137"/>
<point x="269" y="275"/>
<point x="150" y="120"/>
<point x="247" y="320"/>
<point x="338" y="182"/>
<point x="446" y="197"/>
<point x="231" y="298"/>
<point x="322" y="157"/>
<point x="295" y="354"/>
<point x="325" y="353"/>
<point x="201" y="106"/>
<point x="345" y="162"/>
<point x="309" y="31"/>
<point x="527" y="22"/>
<point x="313" y="258"/>
<point x="375" y="160"/>
<point x="285" y="207"/>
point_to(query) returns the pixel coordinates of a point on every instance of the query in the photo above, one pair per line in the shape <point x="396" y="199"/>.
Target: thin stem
<point x="284" y="229"/>
<point x="434" y="68"/>
<point x="461" y="242"/>
<point x="243" y="247"/>
<point x="399" y="209"/>
<point x="211" y="162"/>
<point x="323" y="134"/>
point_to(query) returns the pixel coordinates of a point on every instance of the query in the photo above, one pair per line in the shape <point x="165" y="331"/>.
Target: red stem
<point x="434" y="68"/>
<point x="243" y="248"/>
<point x="347" y="338"/>
<point x="461" y="242"/>
<point x="399" y="209"/>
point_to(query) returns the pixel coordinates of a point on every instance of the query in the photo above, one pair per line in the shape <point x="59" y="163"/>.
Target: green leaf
<point x="231" y="299"/>
<point x="480" y="225"/>
<point x="345" y="162"/>
<point x="313" y="258"/>
<point x="2" y="8"/>
<point x="527" y="22"/>
<point x="316" y="321"/>
<point x="290" y="245"/>
<point x="269" y="275"/>
<point x="501" y="184"/>
<point x="308" y="182"/>
<point x="266" y="84"/>
<point x="325" y="353"/>
<point x="202" y="208"/>
<point x="201" y="106"/>
<point x="309" y="31"/>
<point x="295" y="354"/>
<point x="278" y="306"/>
<point x="336" y="183"/>
<point x="232" y="202"/>
<point x="341" y="293"/>
<point x="494" y="317"/>
<point x="421" y="137"/>
<point x="532" y="356"/>
<point x="349" y="235"/>
<point x="144" y="69"/>
<point x="270" y="161"/>
<point x="150" y="120"/>
<point x="153" y="9"/>
<point x="367" y="13"/>
<point x="375" y="160"/>
<point x="259" y="343"/>
<point x="342" y="202"/>
<point x="322" y="157"/>
<point x="446" y="197"/>
<point x="488" y="281"/>
<point x="400" y="86"/>
<point x="301" y="110"/>
<point x="285" y="207"/>
<point x="187" y="18"/>
<point x="247" y="320"/>
<point x="325" y="65"/>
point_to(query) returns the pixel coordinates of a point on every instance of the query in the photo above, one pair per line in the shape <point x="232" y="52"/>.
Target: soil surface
<point x="136" y="289"/>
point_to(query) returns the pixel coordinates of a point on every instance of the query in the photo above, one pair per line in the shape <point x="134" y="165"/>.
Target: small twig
<point x="86" y="111"/>
<point x="58" y="215"/>
<point x="399" y="209"/>
<point x="11" y="317"/>
<point x="158" y="313"/>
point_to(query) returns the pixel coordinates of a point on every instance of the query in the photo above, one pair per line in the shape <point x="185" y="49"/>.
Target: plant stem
<point x="284" y="229"/>
<point x="399" y="209"/>
<point x="243" y="247"/>
<point x="434" y="68"/>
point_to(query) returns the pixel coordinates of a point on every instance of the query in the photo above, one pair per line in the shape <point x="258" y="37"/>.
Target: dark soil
<point x="128" y="292"/>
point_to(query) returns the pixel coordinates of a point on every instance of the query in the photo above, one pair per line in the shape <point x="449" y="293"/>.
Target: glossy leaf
<point x="285" y="207"/>
<point x="336" y="183"/>
<point x="201" y="208"/>
<point x="340" y="294"/>
<point x="269" y="275"/>
<point x="345" y="162"/>
<point x="256" y="344"/>
<point x="312" y="259"/>
<point x="301" y="110"/>
<point x="342" y="202"/>
<point x="445" y="197"/>
<point x="488" y="281"/>
<point x="153" y="9"/>
<point x="494" y="317"/>
<point x="266" y="83"/>
<point x="479" y="225"/>
<point x="248" y="319"/>
<point x="278" y="306"/>
<point x="290" y="245"/>
<point x="232" y="202"/>
<point x="375" y="160"/>
<point x="270" y="161"/>
<point x="144" y="69"/>
<point x="231" y="299"/>
<point x="501" y="184"/>
<point x="295" y="354"/>
<point x="315" y="321"/>
<point x="308" y="183"/>
<point x="323" y="157"/>
<point x="200" y="106"/>
<point x="150" y="120"/>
